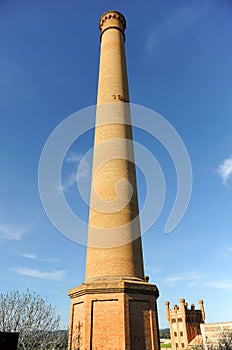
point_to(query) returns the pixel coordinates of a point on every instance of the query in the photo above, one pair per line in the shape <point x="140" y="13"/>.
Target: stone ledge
<point x="105" y="287"/>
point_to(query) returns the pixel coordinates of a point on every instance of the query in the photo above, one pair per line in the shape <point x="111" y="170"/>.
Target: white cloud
<point x="195" y="278"/>
<point x="82" y="171"/>
<point x="229" y="249"/>
<point x="177" y="22"/>
<point x="225" y="170"/>
<point x="223" y="284"/>
<point x="172" y="280"/>
<point x="73" y="157"/>
<point x="29" y="256"/>
<point x="69" y="182"/>
<point x="35" y="257"/>
<point x="188" y="277"/>
<point x="153" y="270"/>
<point x="225" y="251"/>
<point x="10" y="233"/>
<point x="56" y="275"/>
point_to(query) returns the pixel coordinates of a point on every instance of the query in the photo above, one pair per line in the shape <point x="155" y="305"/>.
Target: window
<point x="173" y="320"/>
<point x="182" y="344"/>
<point x="175" y="334"/>
<point x="176" y="345"/>
<point x="181" y="334"/>
<point x="180" y="319"/>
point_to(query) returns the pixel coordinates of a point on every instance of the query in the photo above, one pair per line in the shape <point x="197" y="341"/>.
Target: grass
<point x="165" y="345"/>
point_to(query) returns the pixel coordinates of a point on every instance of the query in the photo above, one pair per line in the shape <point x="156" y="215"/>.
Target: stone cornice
<point x="114" y="287"/>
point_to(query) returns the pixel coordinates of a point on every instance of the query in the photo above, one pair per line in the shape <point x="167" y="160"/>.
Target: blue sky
<point x="179" y="60"/>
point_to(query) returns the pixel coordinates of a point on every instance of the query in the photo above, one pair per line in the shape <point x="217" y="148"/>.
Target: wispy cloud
<point x="177" y="22"/>
<point x="190" y="278"/>
<point x="82" y="166"/>
<point x="172" y="280"/>
<point x="73" y="157"/>
<point x="69" y="182"/>
<point x="225" y="170"/>
<point x="56" y="275"/>
<point x="223" y="284"/>
<point x="225" y="251"/>
<point x="153" y="270"/>
<point x="35" y="257"/>
<point x="81" y="170"/>
<point x="10" y="233"/>
<point x="229" y="249"/>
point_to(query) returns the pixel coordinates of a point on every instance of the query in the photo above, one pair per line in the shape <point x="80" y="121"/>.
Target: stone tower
<point x="184" y="323"/>
<point x="115" y="308"/>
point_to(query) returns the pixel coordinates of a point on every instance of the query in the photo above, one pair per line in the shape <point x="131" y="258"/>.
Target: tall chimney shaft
<point x="115" y="308"/>
<point x="114" y="239"/>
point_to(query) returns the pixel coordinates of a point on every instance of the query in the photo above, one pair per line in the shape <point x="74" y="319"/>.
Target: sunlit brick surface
<point x="115" y="308"/>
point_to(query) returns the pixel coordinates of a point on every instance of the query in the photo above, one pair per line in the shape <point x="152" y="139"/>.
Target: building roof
<point x="197" y="340"/>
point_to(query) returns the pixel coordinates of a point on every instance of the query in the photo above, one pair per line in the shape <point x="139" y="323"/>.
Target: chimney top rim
<point x="112" y="13"/>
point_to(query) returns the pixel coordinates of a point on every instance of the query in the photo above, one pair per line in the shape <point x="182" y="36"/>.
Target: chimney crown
<point x="112" y="19"/>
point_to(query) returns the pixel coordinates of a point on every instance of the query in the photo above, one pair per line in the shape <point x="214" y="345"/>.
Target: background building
<point x="214" y="332"/>
<point x="188" y="328"/>
<point x="184" y="323"/>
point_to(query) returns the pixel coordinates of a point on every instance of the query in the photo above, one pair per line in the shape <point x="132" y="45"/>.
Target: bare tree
<point x="222" y="342"/>
<point x="34" y="318"/>
<point x="225" y="341"/>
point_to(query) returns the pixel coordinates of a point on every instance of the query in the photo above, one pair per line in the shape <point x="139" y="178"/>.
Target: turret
<point x="182" y="305"/>
<point x="167" y="310"/>
<point x="201" y="304"/>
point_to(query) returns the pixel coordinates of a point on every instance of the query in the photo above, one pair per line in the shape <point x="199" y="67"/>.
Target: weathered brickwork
<point x="119" y="315"/>
<point x="115" y="308"/>
<point x="113" y="123"/>
<point x="77" y="324"/>
<point x="140" y="330"/>
<point x="106" y="326"/>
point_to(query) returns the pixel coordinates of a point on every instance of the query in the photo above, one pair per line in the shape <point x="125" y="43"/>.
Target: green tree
<point x="34" y="318"/>
<point x="165" y="333"/>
